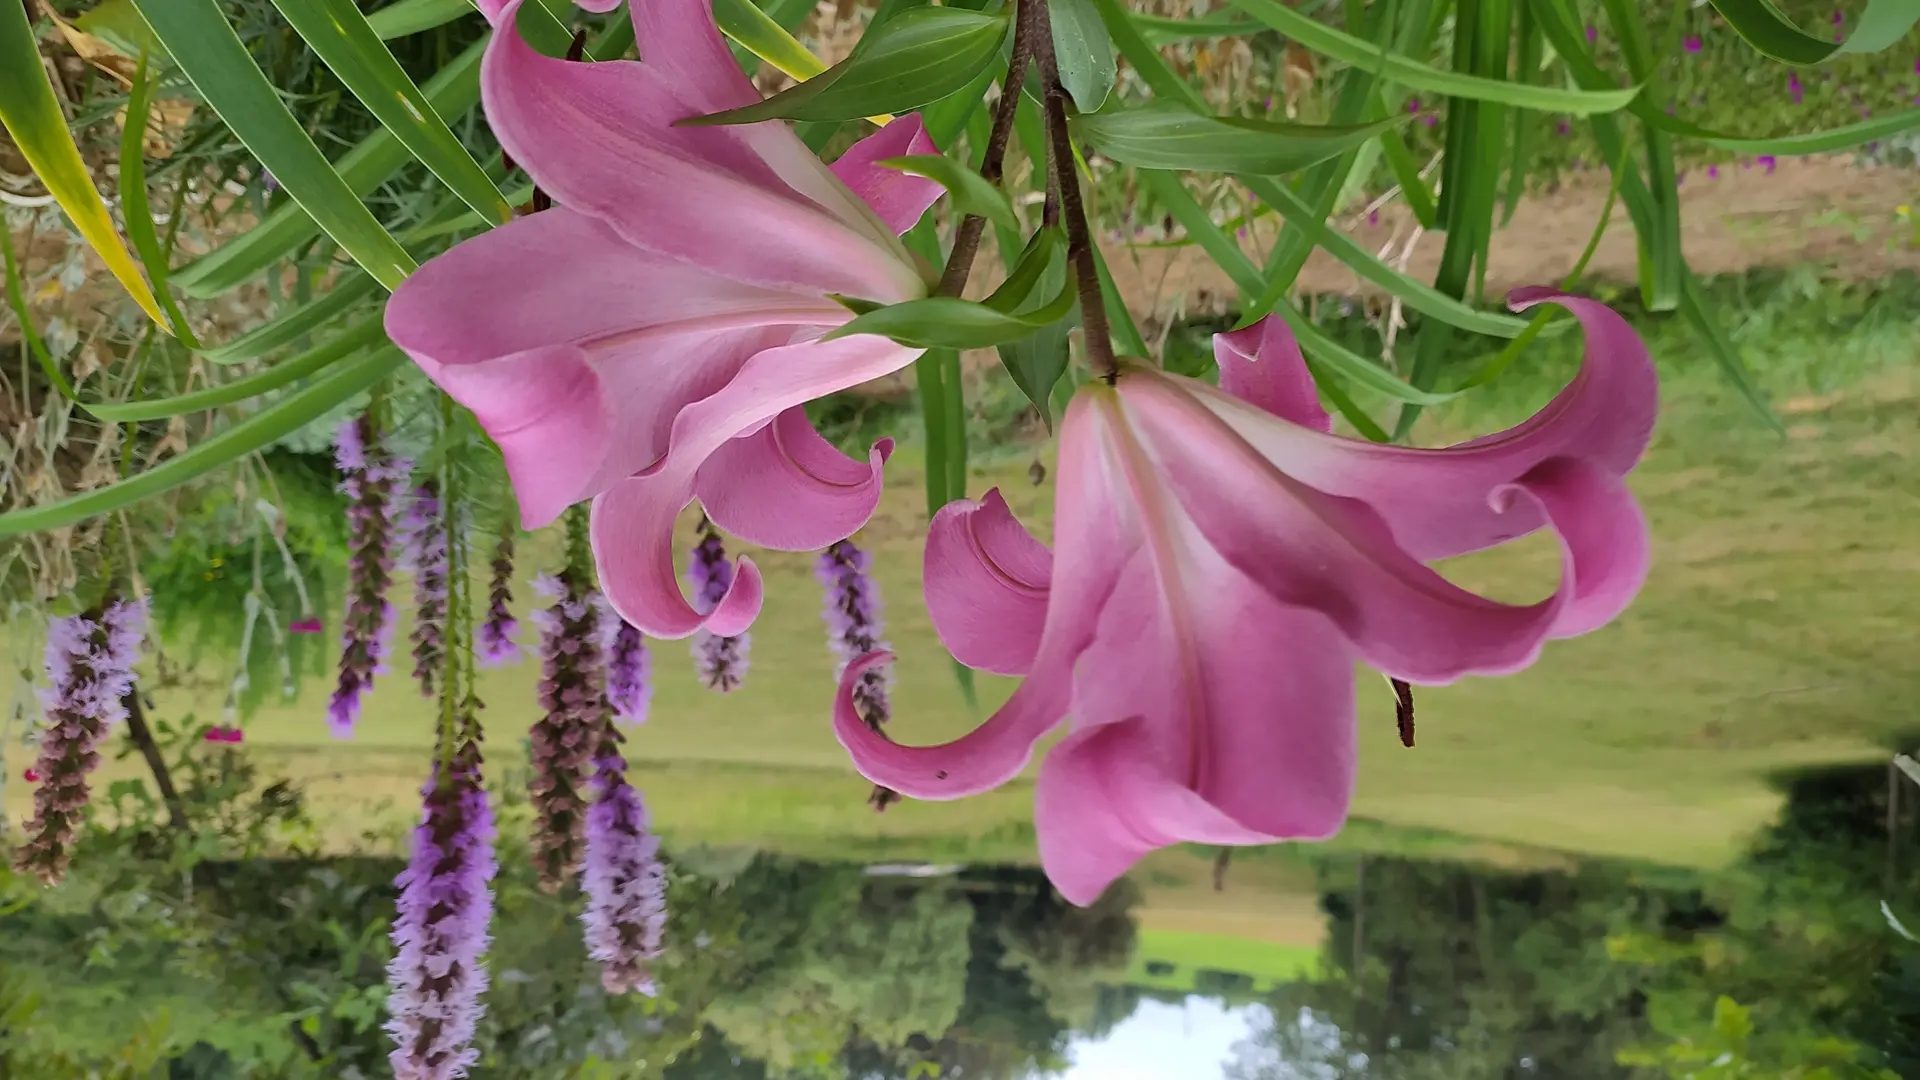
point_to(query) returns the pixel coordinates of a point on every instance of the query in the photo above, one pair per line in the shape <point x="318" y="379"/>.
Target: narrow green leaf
<point x="1037" y="360"/>
<point x="121" y="27"/>
<point x="31" y="115"/>
<point x="340" y="36"/>
<point x="264" y="427"/>
<point x="1228" y="256"/>
<point x="1768" y="29"/>
<point x="273" y="378"/>
<point x="758" y="33"/>
<point x="1167" y="135"/>
<point x="970" y="192"/>
<point x="134" y="209"/>
<point x="918" y="57"/>
<point x="1406" y="173"/>
<point x="413" y="16"/>
<point x="1412" y="292"/>
<point x="294" y="323"/>
<point x="1164" y="31"/>
<point x="1028" y="272"/>
<point x="1526" y="69"/>
<point x="952" y="323"/>
<point x="23" y="315"/>
<point x="205" y="47"/>
<point x="1809" y="142"/>
<point x="1085" y="52"/>
<point x="1400" y="69"/>
<point x="1695" y="308"/>
<point x="1125" y="332"/>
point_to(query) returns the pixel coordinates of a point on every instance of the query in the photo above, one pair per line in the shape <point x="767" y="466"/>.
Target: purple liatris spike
<point x="440" y="929"/>
<point x="1767" y="162"/>
<point x="425" y="532"/>
<point x="495" y="637"/>
<point x="369" y="480"/>
<point x="626" y="887"/>
<point x="89" y="666"/>
<point x="720" y="662"/>
<point x="854" y="626"/>
<point x="1793" y="86"/>
<point x="563" y="739"/>
<point x="1691" y="44"/>
<point x="628" y="669"/>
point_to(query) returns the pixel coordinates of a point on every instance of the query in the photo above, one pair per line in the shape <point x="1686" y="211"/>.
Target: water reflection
<point x="787" y="968"/>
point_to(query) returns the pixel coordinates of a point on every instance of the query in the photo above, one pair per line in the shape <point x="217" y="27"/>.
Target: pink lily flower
<point x="651" y="338"/>
<point x="1223" y="559"/>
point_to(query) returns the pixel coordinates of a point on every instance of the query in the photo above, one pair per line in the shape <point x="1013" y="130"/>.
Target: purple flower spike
<point x="1767" y="162"/>
<point x="626" y="887"/>
<point x="1692" y="44"/>
<point x="1593" y="33"/>
<point x="89" y="666"/>
<point x="440" y="929"/>
<point x="629" y="667"/>
<point x="369" y="480"/>
<point x="854" y="626"/>
<point x="495" y="636"/>
<point x="720" y="662"/>
<point x="1793" y="86"/>
<point x="572" y="696"/>
<point x="1413" y="105"/>
<point x="425" y="542"/>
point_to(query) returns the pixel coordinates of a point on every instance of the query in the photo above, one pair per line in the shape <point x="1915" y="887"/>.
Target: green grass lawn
<point x="1774" y="632"/>
<point x="1269" y="964"/>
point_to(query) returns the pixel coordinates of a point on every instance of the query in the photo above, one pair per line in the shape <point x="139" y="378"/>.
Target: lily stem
<point x="1093" y="311"/>
<point x="966" y="239"/>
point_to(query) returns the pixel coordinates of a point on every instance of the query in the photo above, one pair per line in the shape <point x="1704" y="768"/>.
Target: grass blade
<point x="1167" y="135"/>
<point x="31" y="114"/>
<point x="1699" y="314"/>
<point x="758" y="33"/>
<point x="295" y="323"/>
<point x="134" y="209"/>
<point x="264" y="427"/>
<point x="1768" y="29"/>
<point x="273" y="378"/>
<point x="340" y="36"/>
<point x="1394" y="67"/>
<point x="1406" y="173"/>
<point x="17" y="300"/>
<point x="1809" y="142"/>
<point x="207" y="50"/>
<point x="413" y="16"/>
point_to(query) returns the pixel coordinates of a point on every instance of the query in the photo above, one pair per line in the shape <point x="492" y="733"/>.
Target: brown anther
<point x="577" y="51"/>
<point x="1403" y="710"/>
<point x="882" y="797"/>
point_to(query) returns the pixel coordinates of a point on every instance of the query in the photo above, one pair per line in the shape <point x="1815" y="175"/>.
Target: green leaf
<point x="340" y="36"/>
<point x="1125" y="333"/>
<point x="31" y="115"/>
<point x="1400" y="69"/>
<point x="1699" y="314"/>
<point x="1768" y="29"/>
<point x="918" y="57"/>
<point x="264" y="427"/>
<point x="134" y="209"/>
<point x="1412" y="292"/>
<point x="952" y="323"/>
<point x="1406" y="173"/>
<point x="1730" y="1020"/>
<point x="23" y="315"/>
<point x="273" y="378"/>
<point x="121" y="27"/>
<point x="761" y="35"/>
<point x="1084" y="51"/>
<point x="1167" y="135"/>
<point x="1028" y="272"/>
<point x="205" y="47"/>
<point x="1037" y="360"/>
<point x="971" y="193"/>
<point x="1809" y="142"/>
<point x="1164" y="31"/>
<point x="1331" y="355"/>
<point x="295" y="322"/>
<point x="413" y="16"/>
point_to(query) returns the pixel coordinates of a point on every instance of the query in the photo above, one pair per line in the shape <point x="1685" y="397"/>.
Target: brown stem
<point x="1093" y="311"/>
<point x="163" y="779"/>
<point x="966" y="239"/>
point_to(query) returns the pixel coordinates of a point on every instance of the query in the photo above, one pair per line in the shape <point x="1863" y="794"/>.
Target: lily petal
<point x="1606" y="547"/>
<point x="785" y="487"/>
<point x="1326" y="553"/>
<point x="678" y="39"/>
<point x="1262" y="365"/>
<point x="899" y="198"/>
<point x="633" y="522"/>
<point x="986" y="581"/>
<point x="601" y="139"/>
<point x="1438" y="502"/>
<point x="1105" y="799"/>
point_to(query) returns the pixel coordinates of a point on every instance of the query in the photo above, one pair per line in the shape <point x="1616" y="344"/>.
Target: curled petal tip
<point x="734" y="614"/>
<point x="1526" y="296"/>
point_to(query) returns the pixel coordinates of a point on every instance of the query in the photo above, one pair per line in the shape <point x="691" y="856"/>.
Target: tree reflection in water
<point x="263" y="963"/>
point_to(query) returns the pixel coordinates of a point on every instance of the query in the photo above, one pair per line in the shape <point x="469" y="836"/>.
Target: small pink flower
<point x="1692" y="44"/>
<point x="1713" y="172"/>
<point x="1593" y="33"/>
<point x="1373" y="217"/>
<point x="1413" y="105"/>
<point x="1221" y="561"/>
<point x="306" y="626"/>
<point x="31" y="776"/>
<point x="1839" y="17"/>
<point x="221" y="733"/>
<point x="1793" y="86"/>
<point x="1562" y="127"/>
<point x="1767" y="162"/>
<point x="1430" y="120"/>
